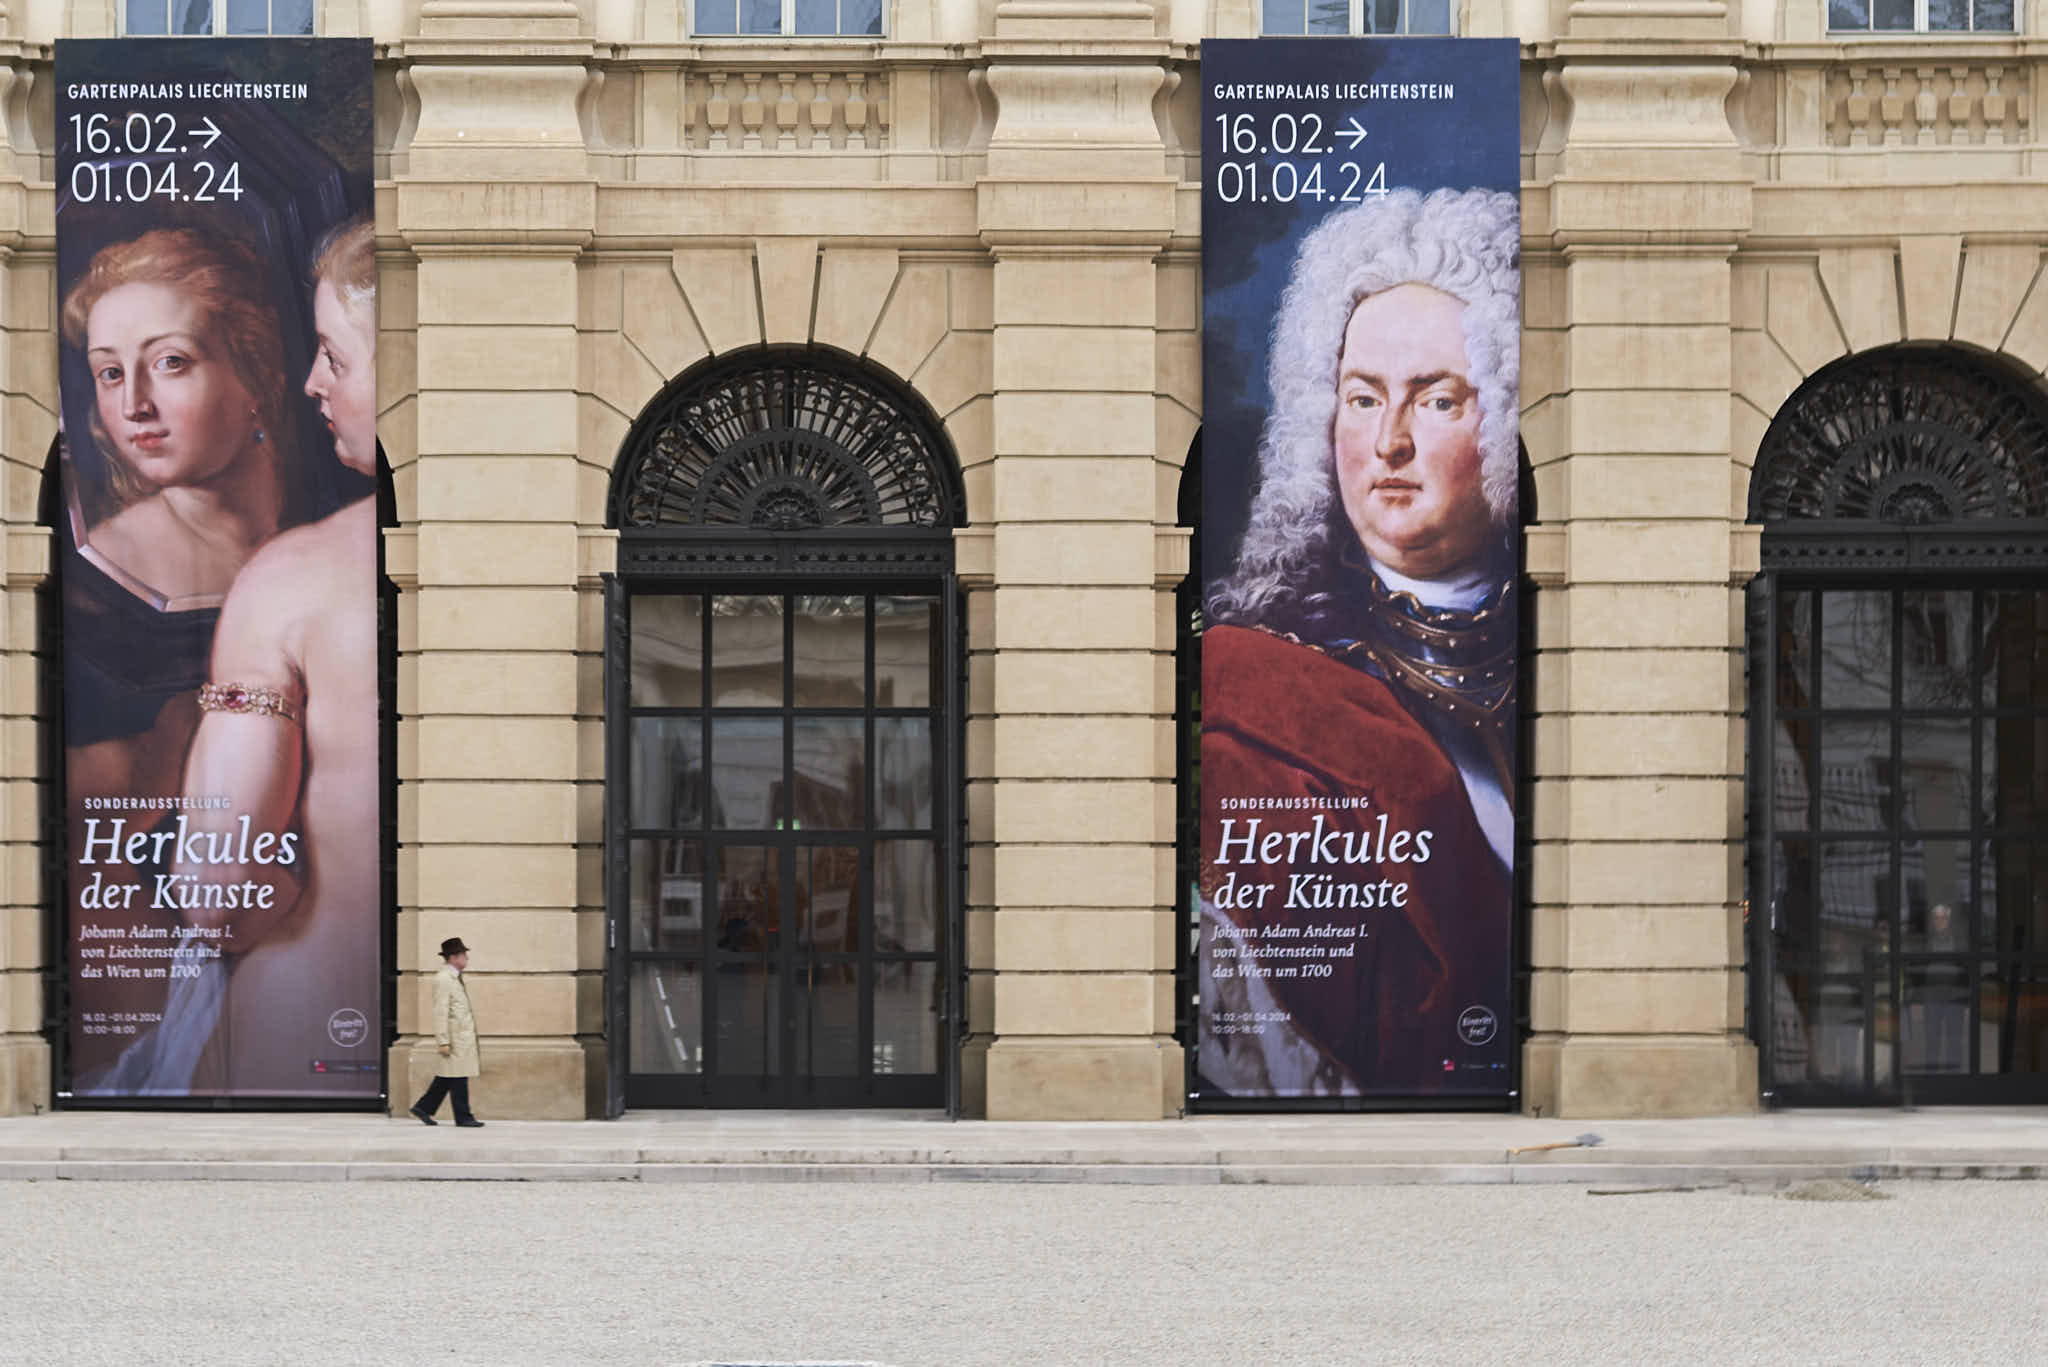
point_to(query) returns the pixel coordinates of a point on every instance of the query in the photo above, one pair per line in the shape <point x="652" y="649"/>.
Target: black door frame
<point x="1916" y="466"/>
<point x="1808" y="557"/>
<point x="830" y="561"/>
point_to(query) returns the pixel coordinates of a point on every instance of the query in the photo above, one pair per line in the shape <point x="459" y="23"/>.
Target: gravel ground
<point x="958" y="1275"/>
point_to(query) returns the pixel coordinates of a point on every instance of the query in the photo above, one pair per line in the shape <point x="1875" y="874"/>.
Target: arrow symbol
<point x="213" y="132"/>
<point x="1353" y="132"/>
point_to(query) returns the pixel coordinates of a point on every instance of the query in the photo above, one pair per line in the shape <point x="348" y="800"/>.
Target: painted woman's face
<point x="171" y="403"/>
<point x="344" y="379"/>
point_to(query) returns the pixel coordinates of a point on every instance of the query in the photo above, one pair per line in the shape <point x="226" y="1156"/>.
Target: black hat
<point x="451" y="948"/>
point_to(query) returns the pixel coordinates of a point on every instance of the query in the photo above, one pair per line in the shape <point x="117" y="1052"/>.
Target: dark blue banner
<point x="218" y="556"/>
<point x="1359" y="543"/>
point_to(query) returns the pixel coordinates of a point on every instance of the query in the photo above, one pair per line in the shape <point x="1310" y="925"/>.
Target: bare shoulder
<point x="292" y="562"/>
<point x="291" y="582"/>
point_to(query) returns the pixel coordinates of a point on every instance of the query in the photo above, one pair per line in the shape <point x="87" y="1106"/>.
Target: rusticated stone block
<point x="1071" y="1079"/>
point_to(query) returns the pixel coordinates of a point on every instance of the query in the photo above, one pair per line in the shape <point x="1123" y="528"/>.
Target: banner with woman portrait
<point x="1361" y="350"/>
<point x="218" y="566"/>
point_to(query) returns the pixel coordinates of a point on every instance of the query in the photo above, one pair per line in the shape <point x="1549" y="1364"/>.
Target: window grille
<point x="785" y="441"/>
<point x="1911" y="436"/>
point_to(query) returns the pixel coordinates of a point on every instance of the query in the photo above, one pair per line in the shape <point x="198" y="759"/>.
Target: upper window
<point x="1920" y="16"/>
<point x="797" y="18"/>
<point x="1316" y="18"/>
<point x="214" y="18"/>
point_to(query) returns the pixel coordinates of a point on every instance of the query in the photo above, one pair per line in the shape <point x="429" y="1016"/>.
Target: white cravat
<point x="1464" y="593"/>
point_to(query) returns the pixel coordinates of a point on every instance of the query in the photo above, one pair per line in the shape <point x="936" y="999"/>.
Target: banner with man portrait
<point x="217" y="555"/>
<point x="1361" y="352"/>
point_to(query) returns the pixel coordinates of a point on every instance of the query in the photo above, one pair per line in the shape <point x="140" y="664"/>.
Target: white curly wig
<point x="1466" y="243"/>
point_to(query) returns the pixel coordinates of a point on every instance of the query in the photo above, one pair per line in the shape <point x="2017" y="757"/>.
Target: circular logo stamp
<point x="347" y="1027"/>
<point x="1477" y="1024"/>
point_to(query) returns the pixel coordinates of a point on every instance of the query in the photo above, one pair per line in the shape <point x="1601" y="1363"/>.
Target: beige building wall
<point x="27" y="424"/>
<point x="1079" y="593"/>
<point x="28" y="373"/>
<point x="1641" y="201"/>
<point x="999" y="205"/>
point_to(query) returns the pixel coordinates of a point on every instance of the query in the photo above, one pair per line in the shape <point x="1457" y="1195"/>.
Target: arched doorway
<point x="1898" y="657"/>
<point x="782" y="731"/>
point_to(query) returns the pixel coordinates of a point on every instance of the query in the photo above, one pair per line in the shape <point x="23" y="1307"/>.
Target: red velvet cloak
<point x="1284" y="720"/>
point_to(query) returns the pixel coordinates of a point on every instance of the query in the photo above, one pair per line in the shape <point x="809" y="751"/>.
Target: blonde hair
<point x="346" y="258"/>
<point x="238" y="313"/>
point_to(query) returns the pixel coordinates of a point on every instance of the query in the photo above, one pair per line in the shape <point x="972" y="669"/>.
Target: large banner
<point x="218" y="556"/>
<point x="1361" y="348"/>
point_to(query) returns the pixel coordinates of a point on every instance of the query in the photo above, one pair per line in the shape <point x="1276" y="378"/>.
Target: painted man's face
<point x="1406" y="435"/>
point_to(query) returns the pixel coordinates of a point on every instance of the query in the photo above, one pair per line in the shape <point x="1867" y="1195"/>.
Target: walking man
<point x="455" y="1032"/>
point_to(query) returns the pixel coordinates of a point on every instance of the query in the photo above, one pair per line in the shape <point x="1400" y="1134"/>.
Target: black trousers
<point x="456" y="1087"/>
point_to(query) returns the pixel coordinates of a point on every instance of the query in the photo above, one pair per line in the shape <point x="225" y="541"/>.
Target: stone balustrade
<point x="763" y="110"/>
<point x="1929" y="104"/>
<point x="1915" y="108"/>
<point x="813" y="112"/>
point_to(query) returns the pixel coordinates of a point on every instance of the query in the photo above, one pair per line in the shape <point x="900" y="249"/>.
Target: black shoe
<point x="468" y="1122"/>
<point x="424" y="1118"/>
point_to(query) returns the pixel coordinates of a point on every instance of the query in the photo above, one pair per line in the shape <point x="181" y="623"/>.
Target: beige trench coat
<point x="454" y="1026"/>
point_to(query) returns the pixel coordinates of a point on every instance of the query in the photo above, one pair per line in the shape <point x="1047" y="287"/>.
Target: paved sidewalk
<point x="919" y="1147"/>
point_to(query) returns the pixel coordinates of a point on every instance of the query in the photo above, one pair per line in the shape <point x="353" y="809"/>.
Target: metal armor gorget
<point x="1457" y="667"/>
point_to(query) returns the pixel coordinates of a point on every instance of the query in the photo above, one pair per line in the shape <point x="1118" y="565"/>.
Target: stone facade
<point x="998" y="204"/>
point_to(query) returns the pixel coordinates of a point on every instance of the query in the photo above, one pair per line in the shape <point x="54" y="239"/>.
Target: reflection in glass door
<point x="784" y="907"/>
<point x="1905" y="844"/>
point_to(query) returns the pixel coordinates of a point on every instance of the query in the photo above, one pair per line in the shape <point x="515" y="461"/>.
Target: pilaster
<point x="1636" y="1001"/>
<point x="27" y="402"/>
<point x="24" y="870"/>
<point x="496" y="205"/>
<point x="1071" y="625"/>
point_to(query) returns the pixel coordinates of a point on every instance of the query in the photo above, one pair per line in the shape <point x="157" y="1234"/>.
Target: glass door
<point x="784" y="901"/>
<point x="1906" y="844"/>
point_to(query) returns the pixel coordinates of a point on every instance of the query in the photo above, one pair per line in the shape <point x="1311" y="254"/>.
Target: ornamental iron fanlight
<point x="1906" y="436"/>
<point x="786" y="440"/>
